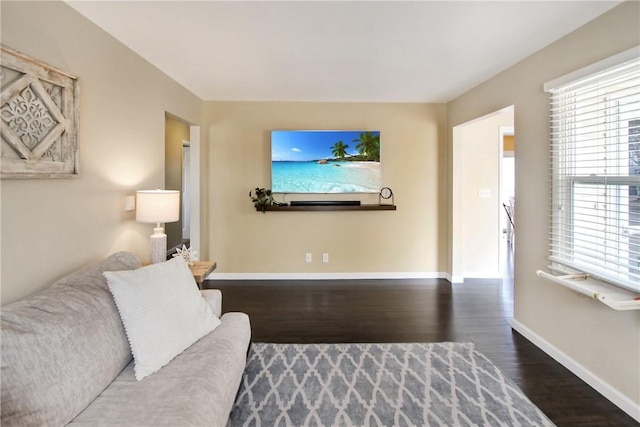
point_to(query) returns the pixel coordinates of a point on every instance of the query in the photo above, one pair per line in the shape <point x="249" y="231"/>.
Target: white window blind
<point x="595" y="157"/>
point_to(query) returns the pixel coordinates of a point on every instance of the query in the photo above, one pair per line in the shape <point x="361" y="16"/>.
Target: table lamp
<point x="158" y="206"/>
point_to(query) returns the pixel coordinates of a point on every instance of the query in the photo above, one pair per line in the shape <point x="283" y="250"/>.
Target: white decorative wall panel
<point x="38" y="119"/>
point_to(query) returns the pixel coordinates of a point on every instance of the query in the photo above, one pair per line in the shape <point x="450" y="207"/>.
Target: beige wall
<point x="176" y="131"/>
<point x="50" y="227"/>
<point x="409" y="240"/>
<point x="603" y="341"/>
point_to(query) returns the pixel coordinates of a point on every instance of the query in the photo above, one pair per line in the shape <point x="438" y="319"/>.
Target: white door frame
<point x="194" y="163"/>
<point x="504" y="131"/>
<point x="186" y="189"/>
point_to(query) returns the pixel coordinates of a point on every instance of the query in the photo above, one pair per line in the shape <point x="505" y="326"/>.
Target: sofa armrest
<point x="214" y="298"/>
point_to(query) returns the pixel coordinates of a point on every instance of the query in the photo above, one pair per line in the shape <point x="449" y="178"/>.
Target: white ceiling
<point x="360" y="51"/>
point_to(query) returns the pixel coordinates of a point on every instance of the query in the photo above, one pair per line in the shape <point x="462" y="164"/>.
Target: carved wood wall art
<point x="38" y="119"/>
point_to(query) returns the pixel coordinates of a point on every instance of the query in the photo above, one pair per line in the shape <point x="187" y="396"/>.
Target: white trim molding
<point x="194" y="209"/>
<point x="454" y="279"/>
<point x="326" y="276"/>
<point x="596" y="67"/>
<point x="482" y="275"/>
<point x="602" y="387"/>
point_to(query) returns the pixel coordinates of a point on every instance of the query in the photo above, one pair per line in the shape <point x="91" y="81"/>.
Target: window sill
<point x="613" y="296"/>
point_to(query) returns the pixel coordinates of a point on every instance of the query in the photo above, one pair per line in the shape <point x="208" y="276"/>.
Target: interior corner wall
<point x="410" y="240"/>
<point x="53" y="226"/>
<point x="603" y="343"/>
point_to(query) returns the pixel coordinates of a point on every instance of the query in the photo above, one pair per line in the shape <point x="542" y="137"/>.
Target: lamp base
<point x="158" y="246"/>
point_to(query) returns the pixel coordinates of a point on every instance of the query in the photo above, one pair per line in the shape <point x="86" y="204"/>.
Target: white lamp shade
<point x="157" y="206"/>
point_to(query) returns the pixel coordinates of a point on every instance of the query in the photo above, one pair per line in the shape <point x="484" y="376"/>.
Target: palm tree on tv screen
<point x="368" y="145"/>
<point x="339" y="149"/>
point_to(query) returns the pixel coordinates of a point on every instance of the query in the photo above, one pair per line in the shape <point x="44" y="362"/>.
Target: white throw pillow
<point x="162" y="311"/>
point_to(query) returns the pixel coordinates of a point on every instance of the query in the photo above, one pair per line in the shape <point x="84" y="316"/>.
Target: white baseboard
<point x="454" y="279"/>
<point x="324" y="276"/>
<point x="460" y="279"/>
<point x="601" y="386"/>
<point x="483" y="275"/>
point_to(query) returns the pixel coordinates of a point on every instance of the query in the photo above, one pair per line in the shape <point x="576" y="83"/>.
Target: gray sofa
<point x="65" y="359"/>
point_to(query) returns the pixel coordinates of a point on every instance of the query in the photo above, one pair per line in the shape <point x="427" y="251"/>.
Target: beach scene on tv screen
<point x="325" y="161"/>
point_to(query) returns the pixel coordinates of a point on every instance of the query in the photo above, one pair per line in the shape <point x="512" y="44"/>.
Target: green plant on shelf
<point x="261" y="198"/>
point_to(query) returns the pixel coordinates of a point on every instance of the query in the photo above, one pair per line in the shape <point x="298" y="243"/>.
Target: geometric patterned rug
<point x="413" y="384"/>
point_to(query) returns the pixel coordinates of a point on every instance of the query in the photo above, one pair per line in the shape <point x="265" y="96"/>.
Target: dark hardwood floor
<point x="480" y="311"/>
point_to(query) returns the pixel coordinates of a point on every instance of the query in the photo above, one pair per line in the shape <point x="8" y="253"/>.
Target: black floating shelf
<point x="329" y="208"/>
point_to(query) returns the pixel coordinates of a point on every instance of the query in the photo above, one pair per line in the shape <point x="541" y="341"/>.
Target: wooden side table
<point x="201" y="269"/>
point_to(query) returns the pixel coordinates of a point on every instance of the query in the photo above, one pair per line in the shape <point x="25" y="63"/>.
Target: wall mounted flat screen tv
<point x="325" y="161"/>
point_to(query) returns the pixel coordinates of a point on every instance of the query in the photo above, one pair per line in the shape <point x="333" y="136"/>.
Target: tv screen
<point x="325" y="161"/>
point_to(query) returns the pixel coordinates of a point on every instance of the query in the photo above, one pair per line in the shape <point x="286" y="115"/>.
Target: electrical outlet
<point x="325" y="257"/>
<point x="308" y="257"/>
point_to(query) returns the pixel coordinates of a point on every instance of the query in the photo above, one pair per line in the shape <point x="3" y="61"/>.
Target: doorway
<point x="182" y="173"/>
<point x="507" y="200"/>
<point x="186" y="190"/>
<point x="477" y="208"/>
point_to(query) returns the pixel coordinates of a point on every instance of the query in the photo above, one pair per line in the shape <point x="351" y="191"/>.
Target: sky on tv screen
<point x="303" y="146"/>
